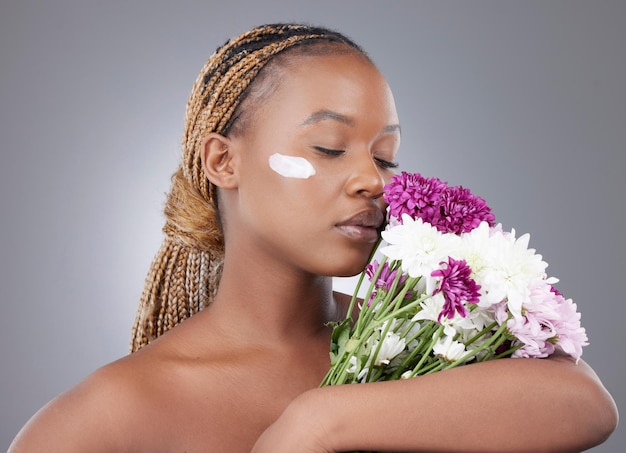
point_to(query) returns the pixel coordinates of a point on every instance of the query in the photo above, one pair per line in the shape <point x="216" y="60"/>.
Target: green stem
<point x="476" y="351"/>
<point x="482" y="333"/>
<point x="426" y="333"/>
<point x="427" y="352"/>
<point x="367" y="310"/>
<point x="391" y="307"/>
<point x="508" y="352"/>
<point x="374" y="356"/>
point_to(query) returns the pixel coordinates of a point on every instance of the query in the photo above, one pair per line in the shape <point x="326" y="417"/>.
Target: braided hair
<point x="185" y="273"/>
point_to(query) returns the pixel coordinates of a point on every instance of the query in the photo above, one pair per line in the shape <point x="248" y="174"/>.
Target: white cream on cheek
<point x="291" y="166"/>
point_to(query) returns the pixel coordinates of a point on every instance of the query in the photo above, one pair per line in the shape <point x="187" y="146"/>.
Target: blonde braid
<point x="184" y="275"/>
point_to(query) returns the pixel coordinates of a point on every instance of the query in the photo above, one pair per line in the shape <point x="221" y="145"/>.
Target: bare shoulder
<point x="132" y="404"/>
<point x="91" y="416"/>
<point x="188" y="391"/>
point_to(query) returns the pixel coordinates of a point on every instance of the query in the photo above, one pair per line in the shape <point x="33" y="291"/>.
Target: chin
<point x="350" y="270"/>
<point x="348" y="273"/>
<point x="344" y="263"/>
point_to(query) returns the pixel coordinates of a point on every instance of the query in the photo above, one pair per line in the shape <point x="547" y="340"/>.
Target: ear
<point x="219" y="161"/>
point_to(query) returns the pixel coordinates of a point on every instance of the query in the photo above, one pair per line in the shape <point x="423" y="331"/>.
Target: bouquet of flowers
<point x="452" y="288"/>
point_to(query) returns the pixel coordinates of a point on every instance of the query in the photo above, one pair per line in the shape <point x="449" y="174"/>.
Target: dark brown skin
<point x="242" y="374"/>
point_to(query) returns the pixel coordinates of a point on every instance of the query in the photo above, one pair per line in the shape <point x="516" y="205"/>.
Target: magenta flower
<point x="457" y="287"/>
<point x="385" y="279"/>
<point x="451" y="209"/>
<point x="415" y="195"/>
<point x="461" y="211"/>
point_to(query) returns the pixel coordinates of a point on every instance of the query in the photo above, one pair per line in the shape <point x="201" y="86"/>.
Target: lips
<point x="363" y="226"/>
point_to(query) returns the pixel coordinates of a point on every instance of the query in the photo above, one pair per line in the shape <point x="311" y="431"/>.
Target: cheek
<point x="282" y="185"/>
<point x="278" y="187"/>
<point x="298" y="180"/>
<point x="291" y="166"/>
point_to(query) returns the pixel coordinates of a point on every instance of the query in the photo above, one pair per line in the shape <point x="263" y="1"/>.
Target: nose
<point x="366" y="179"/>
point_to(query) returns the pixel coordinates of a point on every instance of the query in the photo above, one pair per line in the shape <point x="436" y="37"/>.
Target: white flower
<point x="472" y="247"/>
<point x="420" y="247"/>
<point x="449" y="349"/>
<point x="503" y="266"/>
<point x="480" y="318"/>
<point x="353" y="365"/>
<point x="353" y="368"/>
<point x="467" y="326"/>
<point x="391" y="346"/>
<point x="413" y="329"/>
<point x="430" y="308"/>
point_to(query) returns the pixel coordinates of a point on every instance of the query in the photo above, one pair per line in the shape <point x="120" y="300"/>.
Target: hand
<point x="300" y="428"/>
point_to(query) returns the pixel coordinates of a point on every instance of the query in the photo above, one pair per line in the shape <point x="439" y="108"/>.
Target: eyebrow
<point x="392" y="128"/>
<point x="323" y="115"/>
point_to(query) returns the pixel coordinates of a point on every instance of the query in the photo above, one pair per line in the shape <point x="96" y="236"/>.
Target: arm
<point x="513" y="405"/>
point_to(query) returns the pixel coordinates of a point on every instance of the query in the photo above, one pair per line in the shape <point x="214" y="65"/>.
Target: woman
<point x="291" y="133"/>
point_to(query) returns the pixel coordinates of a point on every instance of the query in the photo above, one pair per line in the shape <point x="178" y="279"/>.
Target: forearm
<point x="511" y="405"/>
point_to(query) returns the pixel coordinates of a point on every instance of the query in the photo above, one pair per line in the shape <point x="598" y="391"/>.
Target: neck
<point x="271" y="303"/>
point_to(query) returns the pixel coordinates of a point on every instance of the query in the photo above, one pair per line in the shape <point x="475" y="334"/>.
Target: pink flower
<point x="534" y="331"/>
<point x="548" y="320"/>
<point x="571" y="336"/>
<point x="457" y="287"/>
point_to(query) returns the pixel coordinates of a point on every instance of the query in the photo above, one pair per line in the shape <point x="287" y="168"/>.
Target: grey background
<point x="524" y="102"/>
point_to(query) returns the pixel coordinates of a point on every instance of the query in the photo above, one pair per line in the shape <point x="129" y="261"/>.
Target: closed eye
<point x="385" y="163"/>
<point x="329" y="151"/>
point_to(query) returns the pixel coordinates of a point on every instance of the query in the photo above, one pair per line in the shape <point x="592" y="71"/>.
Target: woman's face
<point x="338" y="113"/>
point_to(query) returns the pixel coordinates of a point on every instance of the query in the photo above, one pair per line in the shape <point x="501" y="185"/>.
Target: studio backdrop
<point x="523" y="102"/>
